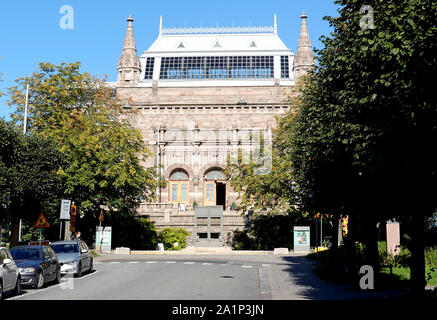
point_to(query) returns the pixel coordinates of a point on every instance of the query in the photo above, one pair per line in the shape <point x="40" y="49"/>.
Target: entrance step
<point x="192" y="249"/>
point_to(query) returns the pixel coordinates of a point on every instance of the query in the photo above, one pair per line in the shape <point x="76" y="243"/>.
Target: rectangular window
<point x="184" y="192"/>
<point x="174" y="192"/>
<point x="237" y="67"/>
<point x="148" y="74"/>
<point x="285" y="73"/>
<point x="179" y="192"/>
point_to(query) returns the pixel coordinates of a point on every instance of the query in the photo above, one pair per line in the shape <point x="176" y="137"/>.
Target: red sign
<point x="101" y="218"/>
<point x="41" y="222"/>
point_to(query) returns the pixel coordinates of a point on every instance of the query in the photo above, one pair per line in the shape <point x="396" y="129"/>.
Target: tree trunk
<point x="371" y="247"/>
<point x="334" y="233"/>
<point x="417" y="267"/>
<point x="15" y="225"/>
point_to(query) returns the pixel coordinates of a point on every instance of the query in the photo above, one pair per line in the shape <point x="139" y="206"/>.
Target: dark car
<point x="74" y="256"/>
<point x="38" y="265"/>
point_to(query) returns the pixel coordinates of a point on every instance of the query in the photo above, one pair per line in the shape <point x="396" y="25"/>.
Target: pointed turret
<point x="128" y="63"/>
<point x="304" y="60"/>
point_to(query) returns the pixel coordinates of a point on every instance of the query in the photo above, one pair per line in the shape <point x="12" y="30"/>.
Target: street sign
<point x="73" y="218"/>
<point x="103" y="239"/>
<point x="39" y="243"/>
<point x="41" y="222"/>
<point x="65" y="209"/>
<point x="301" y="238"/>
<point x="101" y="218"/>
<point x="73" y="210"/>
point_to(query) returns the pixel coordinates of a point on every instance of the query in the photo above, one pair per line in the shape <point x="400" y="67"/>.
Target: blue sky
<point x="30" y="31"/>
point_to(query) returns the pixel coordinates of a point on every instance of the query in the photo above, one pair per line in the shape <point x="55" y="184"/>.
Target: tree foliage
<point x="29" y="179"/>
<point x="103" y="152"/>
<point x="363" y="137"/>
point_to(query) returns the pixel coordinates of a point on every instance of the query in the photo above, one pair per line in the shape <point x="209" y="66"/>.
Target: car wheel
<point x="17" y="290"/>
<point x="40" y="280"/>
<point x="91" y="266"/>
<point x="79" y="270"/>
<point x="58" y="276"/>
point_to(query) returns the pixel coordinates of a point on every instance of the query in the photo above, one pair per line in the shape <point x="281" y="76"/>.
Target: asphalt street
<point x="149" y="279"/>
<point x="197" y="277"/>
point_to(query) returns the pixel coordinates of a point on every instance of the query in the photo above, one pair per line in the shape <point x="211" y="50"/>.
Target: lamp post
<point x="24" y="133"/>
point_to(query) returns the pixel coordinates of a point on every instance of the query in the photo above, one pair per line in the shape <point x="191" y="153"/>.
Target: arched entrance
<point x="215" y="188"/>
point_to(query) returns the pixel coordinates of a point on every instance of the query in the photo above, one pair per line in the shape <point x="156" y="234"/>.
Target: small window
<point x="178" y="175"/>
<point x="215" y="175"/>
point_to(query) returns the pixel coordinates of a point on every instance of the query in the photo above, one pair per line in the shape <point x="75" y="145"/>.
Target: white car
<point x="10" y="279"/>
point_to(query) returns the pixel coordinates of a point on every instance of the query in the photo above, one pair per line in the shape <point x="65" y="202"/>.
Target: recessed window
<point x="179" y="174"/>
<point x="285" y="73"/>
<point x="228" y="67"/>
<point x="148" y="74"/>
<point x="215" y="175"/>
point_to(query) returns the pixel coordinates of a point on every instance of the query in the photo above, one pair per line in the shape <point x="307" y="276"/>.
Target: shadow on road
<point x="310" y="286"/>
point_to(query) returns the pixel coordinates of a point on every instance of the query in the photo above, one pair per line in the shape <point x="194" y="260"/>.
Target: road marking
<point x="64" y="279"/>
<point x="244" y="266"/>
<point x="133" y="262"/>
<point x="170" y="262"/>
<point x="151" y="261"/>
<point x="266" y="265"/>
<point x="264" y="287"/>
<point x="206" y="264"/>
<point x="188" y="262"/>
<point x="115" y="262"/>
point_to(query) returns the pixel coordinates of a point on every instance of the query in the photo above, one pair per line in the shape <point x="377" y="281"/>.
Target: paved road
<point x="197" y="277"/>
<point x="150" y="279"/>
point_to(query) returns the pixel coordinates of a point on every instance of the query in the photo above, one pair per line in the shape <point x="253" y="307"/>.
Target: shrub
<point x="170" y="236"/>
<point x="243" y="240"/>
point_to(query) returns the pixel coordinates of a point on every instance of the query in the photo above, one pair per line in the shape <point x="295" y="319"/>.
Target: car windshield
<point x="66" y="248"/>
<point x="25" y="253"/>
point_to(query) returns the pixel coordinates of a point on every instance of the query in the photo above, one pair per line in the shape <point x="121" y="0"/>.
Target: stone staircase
<point x="194" y="250"/>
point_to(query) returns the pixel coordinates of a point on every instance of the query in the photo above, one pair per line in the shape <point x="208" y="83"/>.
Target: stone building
<point x="198" y="95"/>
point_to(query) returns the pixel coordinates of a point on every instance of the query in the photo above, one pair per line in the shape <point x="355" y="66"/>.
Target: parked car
<point x="38" y="265"/>
<point x="10" y="278"/>
<point x="74" y="255"/>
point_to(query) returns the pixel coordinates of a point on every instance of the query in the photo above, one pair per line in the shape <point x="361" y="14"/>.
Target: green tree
<point x="104" y="153"/>
<point x="363" y="137"/>
<point x="29" y="177"/>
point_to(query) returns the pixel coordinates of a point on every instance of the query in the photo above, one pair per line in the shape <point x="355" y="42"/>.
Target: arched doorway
<point x="179" y="186"/>
<point x="215" y="188"/>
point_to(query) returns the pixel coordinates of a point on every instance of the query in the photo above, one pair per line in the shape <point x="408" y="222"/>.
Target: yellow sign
<point x="345" y="221"/>
<point x="73" y="209"/>
<point x="42" y="222"/>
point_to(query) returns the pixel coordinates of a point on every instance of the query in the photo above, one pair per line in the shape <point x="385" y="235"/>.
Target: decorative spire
<point x="275" y="25"/>
<point x="304" y="59"/>
<point x="160" y="25"/>
<point x="128" y="63"/>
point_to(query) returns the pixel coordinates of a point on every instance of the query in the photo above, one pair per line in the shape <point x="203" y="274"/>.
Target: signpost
<point x="40" y="223"/>
<point x="64" y="214"/>
<point x="73" y="217"/>
<point x="103" y="239"/>
<point x="301" y="239"/>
